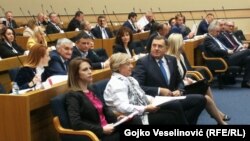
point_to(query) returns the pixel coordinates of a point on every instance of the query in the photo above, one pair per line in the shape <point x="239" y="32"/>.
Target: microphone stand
<point x="23" y="15"/>
<point x="224" y="12"/>
<point x="216" y="17"/>
<point x="116" y="18"/>
<point x="67" y="13"/>
<point x="161" y="14"/>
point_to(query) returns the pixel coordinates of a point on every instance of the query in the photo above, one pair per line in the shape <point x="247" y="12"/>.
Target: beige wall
<point x="126" y="6"/>
<point x="119" y="6"/>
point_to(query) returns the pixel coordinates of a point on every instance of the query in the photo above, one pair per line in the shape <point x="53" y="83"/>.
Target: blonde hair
<point x="118" y="59"/>
<point x="176" y="43"/>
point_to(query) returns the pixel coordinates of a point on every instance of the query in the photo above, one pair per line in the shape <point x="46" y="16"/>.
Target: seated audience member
<point x="42" y="19"/>
<point x="229" y="40"/>
<point x="181" y="28"/>
<point x="85" y="110"/>
<point x="31" y="74"/>
<point x="162" y="30"/>
<point x="82" y="49"/>
<point x="8" y="46"/>
<point x="215" y="48"/>
<point x="171" y="22"/>
<point x="9" y="20"/>
<point x="124" y="95"/>
<point x="151" y="26"/>
<point x="58" y="64"/>
<point x="74" y="24"/>
<point x="176" y="49"/>
<point x="158" y="74"/>
<point x="53" y="24"/>
<point x="124" y="42"/>
<point x="131" y="23"/>
<point x="203" y="26"/>
<point x="101" y="31"/>
<point x="37" y="38"/>
<point x="29" y="30"/>
<point x="86" y="28"/>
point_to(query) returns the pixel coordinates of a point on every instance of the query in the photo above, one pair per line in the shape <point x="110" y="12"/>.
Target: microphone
<point x="33" y="17"/>
<point x="161" y="14"/>
<point x="23" y="14"/>
<point x="52" y="8"/>
<point x="216" y="17"/>
<point x="62" y="25"/>
<point x="2" y="9"/>
<point x="151" y="9"/>
<point x="47" y="11"/>
<point x="42" y="8"/>
<point x="205" y="12"/>
<point x="116" y="18"/>
<point x="92" y="9"/>
<point x="195" y="25"/>
<point x="67" y="13"/>
<point x="224" y="12"/>
<point x="134" y="9"/>
<point x="109" y="17"/>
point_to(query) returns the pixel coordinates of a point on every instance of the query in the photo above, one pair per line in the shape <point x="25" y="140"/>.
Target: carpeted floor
<point x="232" y="100"/>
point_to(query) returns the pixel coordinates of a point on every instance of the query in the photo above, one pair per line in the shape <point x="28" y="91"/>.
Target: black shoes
<point x="226" y="118"/>
<point x="245" y="84"/>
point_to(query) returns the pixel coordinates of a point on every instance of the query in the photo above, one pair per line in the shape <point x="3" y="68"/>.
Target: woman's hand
<point x="108" y="129"/>
<point x="151" y="108"/>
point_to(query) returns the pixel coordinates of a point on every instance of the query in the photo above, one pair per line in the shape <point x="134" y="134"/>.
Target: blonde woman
<point x="37" y="38"/>
<point x="176" y="49"/>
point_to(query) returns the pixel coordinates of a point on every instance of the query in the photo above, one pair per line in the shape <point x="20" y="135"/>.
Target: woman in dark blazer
<point x="176" y="49"/>
<point x="31" y="75"/>
<point x="85" y="109"/>
<point x="124" y="42"/>
<point x="8" y="46"/>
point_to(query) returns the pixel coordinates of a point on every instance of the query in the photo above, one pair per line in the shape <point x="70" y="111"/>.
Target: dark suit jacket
<point x="73" y="24"/>
<point x="50" y="29"/>
<point x="202" y="28"/>
<point x="127" y="24"/>
<point x="213" y="49"/>
<point x="150" y="40"/>
<point x="95" y="59"/>
<point x="98" y="34"/>
<point x="13" y="24"/>
<point x="56" y="65"/>
<point x="83" y="115"/>
<point x="25" y="76"/>
<point x="148" y="74"/>
<point x="224" y="38"/>
<point x="120" y="48"/>
<point x="6" y="50"/>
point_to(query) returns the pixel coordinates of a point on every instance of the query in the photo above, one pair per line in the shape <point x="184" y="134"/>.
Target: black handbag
<point x="199" y="87"/>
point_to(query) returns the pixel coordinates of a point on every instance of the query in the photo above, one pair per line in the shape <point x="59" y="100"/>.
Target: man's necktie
<point x="104" y="34"/>
<point x="163" y="71"/>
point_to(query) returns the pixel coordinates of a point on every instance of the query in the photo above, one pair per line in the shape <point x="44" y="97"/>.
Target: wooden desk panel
<point x="28" y="117"/>
<point x="190" y="47"/>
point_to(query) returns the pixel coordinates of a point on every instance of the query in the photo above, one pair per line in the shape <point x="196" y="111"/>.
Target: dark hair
<point x="170" y="21"/>
<point x="80" y="36"/>
<point x="101" y="17"/>
<point x="159" y="37"/>
<point x="78" y="13"/>
<point x="4" y="30"/>
<point x="73" y="74"/>
<point x="121" y="33"/>
<point x="132" y="14"/>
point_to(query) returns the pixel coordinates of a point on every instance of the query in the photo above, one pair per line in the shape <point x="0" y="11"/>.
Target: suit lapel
<point x="157" y="69"/>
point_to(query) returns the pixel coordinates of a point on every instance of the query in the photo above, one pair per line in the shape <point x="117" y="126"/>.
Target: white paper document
<point x="126" y="118"/>
<point x="159" y="100"/>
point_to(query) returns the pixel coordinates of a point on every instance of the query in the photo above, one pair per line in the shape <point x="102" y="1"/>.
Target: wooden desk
<point x="22" y="41"/>
<point x="194" y="57"/>
<point x="56" y="36"/>
<point x="107" y="44"/>
<point x="141" y="36"/>
<point x="28" y="117"/>
<point x="7" y="64"/>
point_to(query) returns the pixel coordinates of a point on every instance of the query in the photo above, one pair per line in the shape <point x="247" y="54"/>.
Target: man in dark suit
<point x="158" y="74"/>
<point x="75" y="23"/>
<point x="58" y="64"/>
<point x="53" y="26"/>
<point x="101" y="31"/>
<point x="82" y="49"/>
<point x="131" y="22"/>
<point x="10" y="22"/>
<point x="162" y="30"/>
<point x="202" y="28"/>
<point x="215" y="48"/>
<point x="151" y="26"/>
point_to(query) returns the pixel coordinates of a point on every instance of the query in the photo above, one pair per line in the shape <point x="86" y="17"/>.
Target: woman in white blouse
<point x="124" y="95"/>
